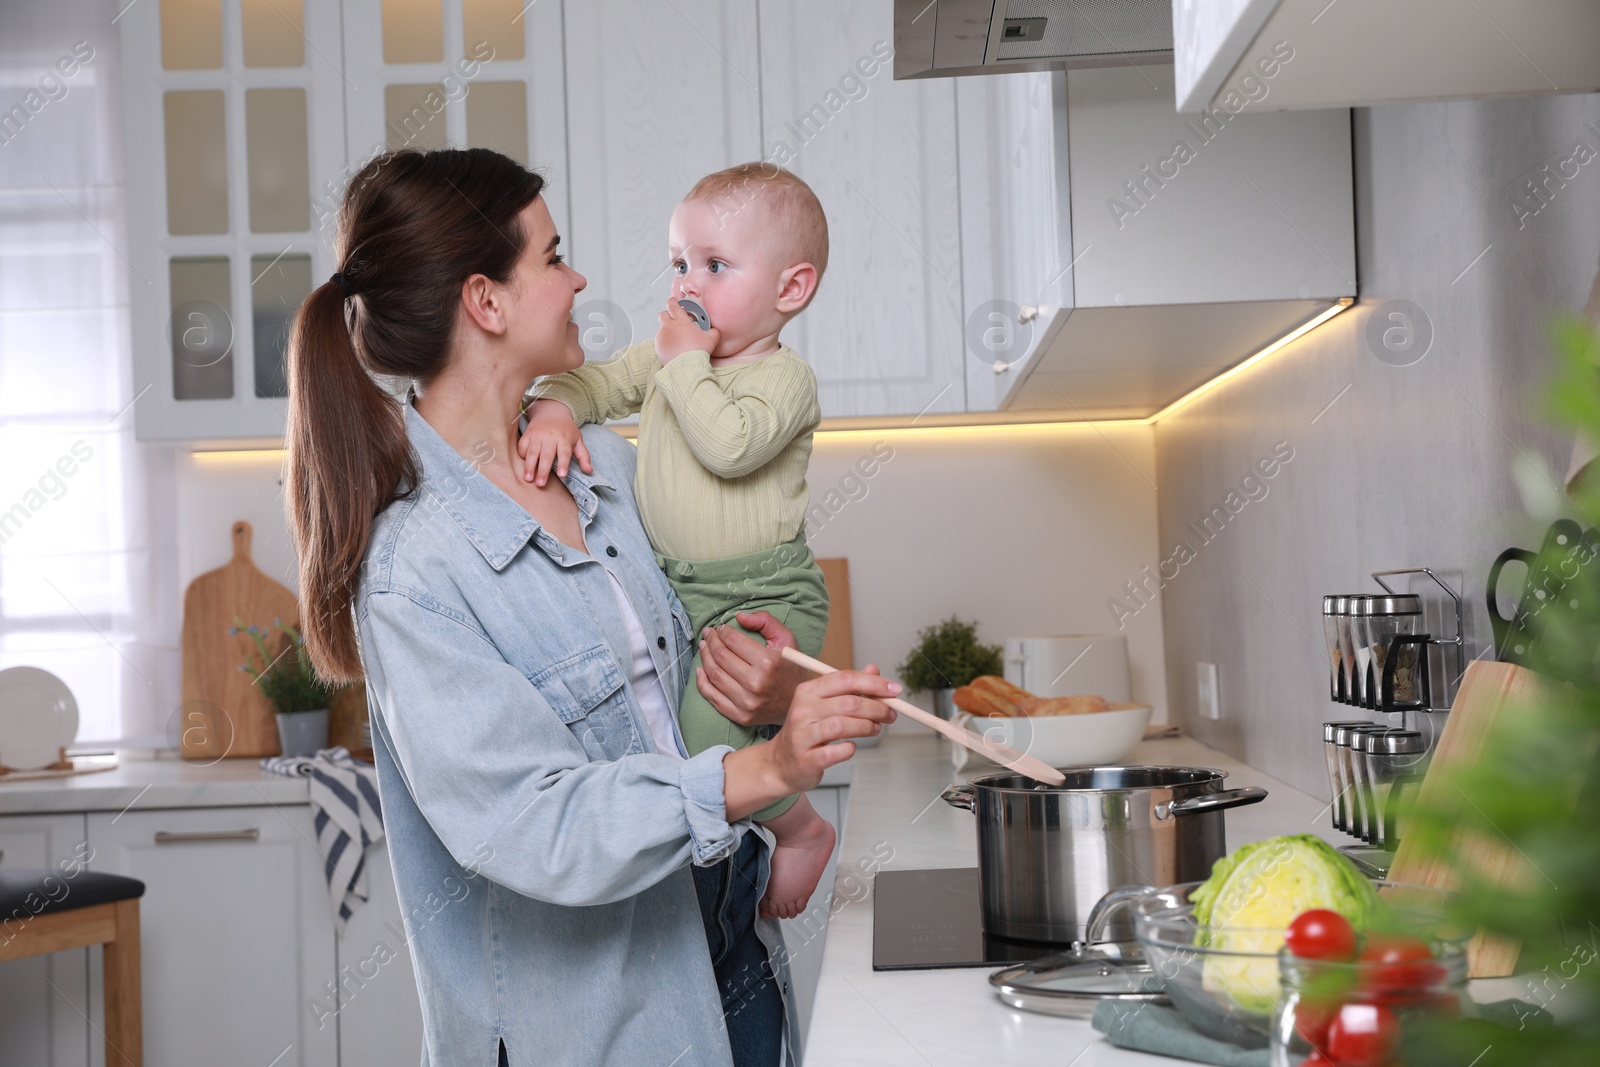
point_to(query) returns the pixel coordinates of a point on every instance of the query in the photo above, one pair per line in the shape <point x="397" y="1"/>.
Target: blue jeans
<point x="751" y="1003"/>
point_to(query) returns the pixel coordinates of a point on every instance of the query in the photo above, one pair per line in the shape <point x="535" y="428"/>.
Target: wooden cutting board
<point x="1486" y="691"/>
<point x="223" y="713"/>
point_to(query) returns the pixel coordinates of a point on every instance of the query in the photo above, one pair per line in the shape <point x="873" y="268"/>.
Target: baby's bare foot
<point x="798" y="861"/>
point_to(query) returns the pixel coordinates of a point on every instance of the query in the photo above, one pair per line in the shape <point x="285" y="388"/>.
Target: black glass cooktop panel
<point x="928" y="919"/>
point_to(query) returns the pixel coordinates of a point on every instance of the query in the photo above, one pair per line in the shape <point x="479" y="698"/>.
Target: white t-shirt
<point x="642" y="676"/>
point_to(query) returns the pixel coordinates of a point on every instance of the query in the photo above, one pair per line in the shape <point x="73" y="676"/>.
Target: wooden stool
<point x="44" y="911"/>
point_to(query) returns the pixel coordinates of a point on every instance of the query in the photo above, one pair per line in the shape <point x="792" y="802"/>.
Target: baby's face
<point x="724" y="256"/>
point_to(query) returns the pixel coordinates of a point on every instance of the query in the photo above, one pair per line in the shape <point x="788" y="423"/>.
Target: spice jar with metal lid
<point x="1395" y="760"/>
<point x="1331" y="746"/>
<point x="1349" y="624"/>
<point x="1345" y="805"/>
<point x="1388" y="618"/>
<point x="1333" y="609"/>
<point x="1353" y="762"/>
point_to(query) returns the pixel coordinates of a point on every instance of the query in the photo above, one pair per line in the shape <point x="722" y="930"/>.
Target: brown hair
<point x="414" y="226"/>
<point x="791" y="204"/>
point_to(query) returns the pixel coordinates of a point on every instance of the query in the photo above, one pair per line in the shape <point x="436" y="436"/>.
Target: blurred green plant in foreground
<point x="1536" y="790"/>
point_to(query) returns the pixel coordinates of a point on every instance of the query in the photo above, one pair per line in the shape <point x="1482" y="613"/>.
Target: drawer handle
<point x="164" y="837"/>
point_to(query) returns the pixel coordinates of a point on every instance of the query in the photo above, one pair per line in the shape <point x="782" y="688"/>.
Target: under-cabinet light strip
<point x="1183" y="401"/>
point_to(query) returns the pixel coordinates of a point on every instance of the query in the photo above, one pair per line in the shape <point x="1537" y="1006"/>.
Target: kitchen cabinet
<point x="243" y="121"/>
<point x="805" y="935"/>
<point x="659" y="95"/>
<point x="884" y="330"/>
<point x="435" y="73"/>
<point x="43" y="998"/>
<point x="234" y="134"/>
<point x="236" y="930"/>
<point x="380" y="1017"/>
<point x="1163" y="251"/>
<point x="1361" y="52"/>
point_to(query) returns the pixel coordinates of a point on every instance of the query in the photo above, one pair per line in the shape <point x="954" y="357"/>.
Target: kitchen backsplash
<point x="1407" y="416"/>
<point x="1030" y="530"/>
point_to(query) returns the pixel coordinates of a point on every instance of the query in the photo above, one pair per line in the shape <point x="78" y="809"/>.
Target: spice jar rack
<point x="1379" y="660"/>
<point x="1378" y="655"/>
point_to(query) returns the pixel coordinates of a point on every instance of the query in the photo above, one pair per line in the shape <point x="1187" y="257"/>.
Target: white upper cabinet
<point x="475" y="73"/>
<point x="658" y="95"/>
<point x="1356" y="52"/>
<point x="884" y="331"/>
<point x="233" y="119"/>
<point x="1163" y="250"/>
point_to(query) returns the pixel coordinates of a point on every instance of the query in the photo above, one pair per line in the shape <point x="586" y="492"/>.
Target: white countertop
<point x="163" y="782"/>
<point x="166" y="781"/>
<point x="937" y="1017"/>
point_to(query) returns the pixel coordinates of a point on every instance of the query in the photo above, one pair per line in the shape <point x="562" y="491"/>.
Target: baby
<point x="725" y="422"/>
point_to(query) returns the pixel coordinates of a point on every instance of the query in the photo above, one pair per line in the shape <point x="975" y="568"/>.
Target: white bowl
<point x="1097" y="739"/>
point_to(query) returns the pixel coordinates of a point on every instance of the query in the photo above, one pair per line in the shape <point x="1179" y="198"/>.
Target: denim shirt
<point x="540" y="844"/>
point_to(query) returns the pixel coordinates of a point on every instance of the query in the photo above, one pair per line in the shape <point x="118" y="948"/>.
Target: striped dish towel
<point x="346" y="816"/>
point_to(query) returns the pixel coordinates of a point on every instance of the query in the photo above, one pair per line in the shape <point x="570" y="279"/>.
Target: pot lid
<point x="1073" y="982"/>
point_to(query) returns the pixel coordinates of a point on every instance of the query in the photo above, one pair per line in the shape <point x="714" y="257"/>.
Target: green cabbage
<point x="1251" y="898"/>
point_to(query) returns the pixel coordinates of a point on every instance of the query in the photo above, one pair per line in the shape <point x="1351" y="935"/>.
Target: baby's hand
<point x="678" y="333"/>
<point x="551" y="439"/>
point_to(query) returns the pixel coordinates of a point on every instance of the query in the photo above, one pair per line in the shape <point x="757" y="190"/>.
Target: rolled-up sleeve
<point x="505" y="784"/>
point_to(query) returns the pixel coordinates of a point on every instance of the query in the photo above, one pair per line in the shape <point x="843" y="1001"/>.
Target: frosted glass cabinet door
<point x="431" y="74"/>
<point x="44" y="999"/>
<point x="233" y="114"/>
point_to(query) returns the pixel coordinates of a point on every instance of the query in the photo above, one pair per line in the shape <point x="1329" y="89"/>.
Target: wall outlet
<point x="1206" y="684"/>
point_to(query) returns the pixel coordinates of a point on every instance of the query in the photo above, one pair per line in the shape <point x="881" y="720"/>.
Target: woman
<point x="523" y="654"/>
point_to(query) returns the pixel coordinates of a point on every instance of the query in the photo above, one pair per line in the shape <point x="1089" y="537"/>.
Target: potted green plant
<point x="947" y="656"/>
<point x="299" y="698"/>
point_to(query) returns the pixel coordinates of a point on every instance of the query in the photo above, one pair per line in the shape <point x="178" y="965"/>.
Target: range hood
<point x="1121" y="256"/>
<point x="945" y="38"/>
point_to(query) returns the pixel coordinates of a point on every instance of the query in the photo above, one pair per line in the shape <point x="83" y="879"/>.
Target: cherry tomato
<point x="1362" y="1035"/>
<point x="1399" y="964"/>
<point x="1320" y="934"/>
<point x="1311" y="1021"/>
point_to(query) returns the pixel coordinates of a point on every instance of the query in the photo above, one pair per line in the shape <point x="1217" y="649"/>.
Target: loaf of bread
<point x="992" y="696"/>
<point x="1083" y="704"/>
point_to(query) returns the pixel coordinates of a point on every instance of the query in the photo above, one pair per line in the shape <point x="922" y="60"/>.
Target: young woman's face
<point x="539" y="298"/>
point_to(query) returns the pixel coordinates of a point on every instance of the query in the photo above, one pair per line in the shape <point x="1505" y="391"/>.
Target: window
<point x="87" y="561"/>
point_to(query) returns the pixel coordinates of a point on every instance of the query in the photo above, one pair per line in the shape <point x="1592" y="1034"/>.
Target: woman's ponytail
<point x="347" y="458"/>
<point x="414" y="226"/>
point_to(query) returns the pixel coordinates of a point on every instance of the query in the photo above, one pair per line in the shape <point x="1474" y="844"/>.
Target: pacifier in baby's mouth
<point x="696" y="312"/>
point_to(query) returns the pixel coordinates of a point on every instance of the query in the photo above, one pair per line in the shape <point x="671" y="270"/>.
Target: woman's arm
<point x="826" y="711"/>
<point x="498" y="774"/>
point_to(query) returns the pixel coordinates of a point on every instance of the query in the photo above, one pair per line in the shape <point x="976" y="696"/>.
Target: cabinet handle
<point x="163" y="837"/>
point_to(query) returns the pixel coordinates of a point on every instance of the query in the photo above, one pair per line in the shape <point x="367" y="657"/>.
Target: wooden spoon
<point x="1004" y="755"/>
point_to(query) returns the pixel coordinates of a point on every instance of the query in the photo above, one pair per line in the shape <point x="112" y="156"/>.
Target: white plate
<point x="38" y="717"/>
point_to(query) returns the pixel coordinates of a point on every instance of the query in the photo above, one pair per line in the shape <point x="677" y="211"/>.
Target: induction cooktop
<point x="923" y="920"/>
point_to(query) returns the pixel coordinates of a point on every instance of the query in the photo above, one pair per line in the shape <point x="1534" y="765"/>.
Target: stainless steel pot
<point x="1046" y="854"/>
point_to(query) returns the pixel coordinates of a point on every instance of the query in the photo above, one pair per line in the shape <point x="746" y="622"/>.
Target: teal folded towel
<point x="1153" y="1028"/>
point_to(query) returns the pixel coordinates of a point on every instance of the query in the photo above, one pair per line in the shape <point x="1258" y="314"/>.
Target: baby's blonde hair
<point x="791" y="205"/>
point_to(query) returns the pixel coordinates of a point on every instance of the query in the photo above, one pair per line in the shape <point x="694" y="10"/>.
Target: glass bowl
<point x="1225" y="981"/>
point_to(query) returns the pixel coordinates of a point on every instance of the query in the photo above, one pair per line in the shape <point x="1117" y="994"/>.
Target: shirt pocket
<point x="586" y="692"/>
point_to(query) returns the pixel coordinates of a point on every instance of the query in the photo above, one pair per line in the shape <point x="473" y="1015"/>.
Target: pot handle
<point x="1221" y="801"/>
<point x="961" y="796"/>
<point x="1108" y="906"/>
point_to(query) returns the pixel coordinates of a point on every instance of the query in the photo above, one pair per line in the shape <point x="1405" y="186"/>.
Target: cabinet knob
<point x="165" y="837"/>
